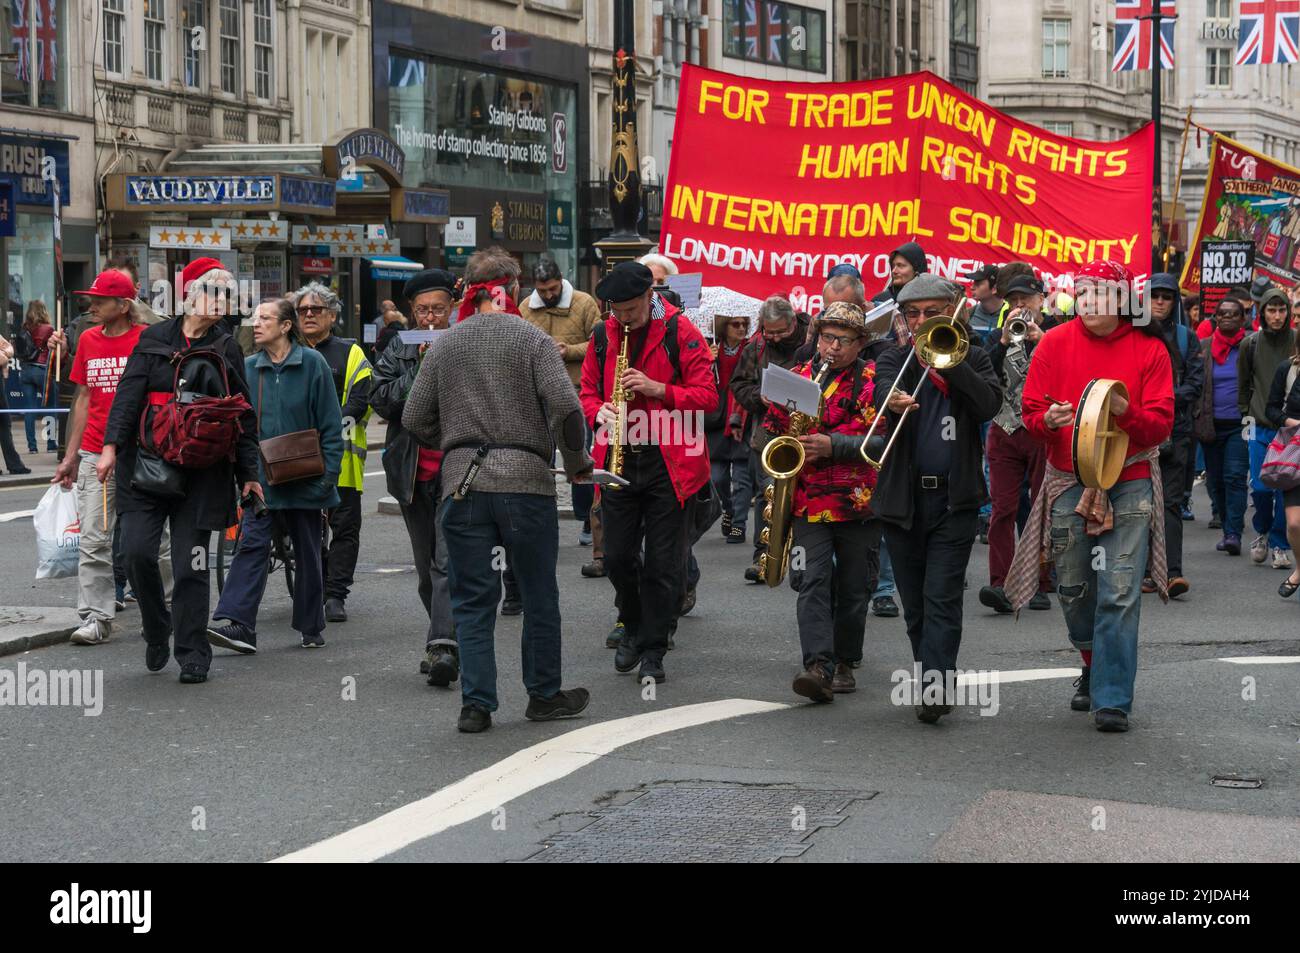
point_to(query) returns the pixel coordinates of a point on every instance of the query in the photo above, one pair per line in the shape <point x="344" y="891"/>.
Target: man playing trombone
<point x="931" y="484"/>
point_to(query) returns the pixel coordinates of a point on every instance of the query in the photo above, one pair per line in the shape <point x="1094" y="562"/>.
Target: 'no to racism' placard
<point x="772" y="184"/>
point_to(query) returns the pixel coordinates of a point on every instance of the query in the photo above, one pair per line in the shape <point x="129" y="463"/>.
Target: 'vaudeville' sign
<point x="221" y="192"/>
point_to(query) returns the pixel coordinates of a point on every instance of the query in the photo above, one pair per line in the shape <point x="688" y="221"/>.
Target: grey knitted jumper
<point x="495" y="378"/>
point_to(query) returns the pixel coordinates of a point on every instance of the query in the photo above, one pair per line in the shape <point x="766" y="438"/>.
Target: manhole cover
<point x="678" y="823"/>
<point x="19" y="616"/>
<point x="1236" y="781"/>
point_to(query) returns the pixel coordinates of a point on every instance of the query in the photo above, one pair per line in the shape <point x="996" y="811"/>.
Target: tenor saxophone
<point x="782" y="459"/>
<point x="619" y="399"/>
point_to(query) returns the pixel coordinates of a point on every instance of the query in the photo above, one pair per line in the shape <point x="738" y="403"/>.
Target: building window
<point x="1060" y="128"/>
<point x="1218" y="9"/>
<point x="780" y="34"/>
<point x="263" y="59"/>
<point x="1218" y="67"/>
<point x="230" y="61"/>
<point x="154" y="28"/>
<point x="115" y="37"/>
<point x="32" y="71"/>
<point x="193" y="44"/>
<point x="963" y="54"/>
<point x="1056" y="48"/>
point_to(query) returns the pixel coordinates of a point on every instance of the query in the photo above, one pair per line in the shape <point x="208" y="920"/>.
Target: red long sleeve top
<point x="1070" y="356"/>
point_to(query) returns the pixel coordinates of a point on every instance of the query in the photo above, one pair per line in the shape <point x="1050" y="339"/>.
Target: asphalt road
<point x="271" y="756"/>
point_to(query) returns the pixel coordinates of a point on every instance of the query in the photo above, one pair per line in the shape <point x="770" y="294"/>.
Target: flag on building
<point x="1270" y="32"/>
<point x="47" y="49"/>
<point x="1133" y="35"/>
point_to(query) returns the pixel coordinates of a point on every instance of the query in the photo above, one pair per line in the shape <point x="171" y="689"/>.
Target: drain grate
<point x="677" y="823"/>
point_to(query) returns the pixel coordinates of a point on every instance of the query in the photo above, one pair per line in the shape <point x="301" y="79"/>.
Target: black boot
<point x="1082" y="699"/>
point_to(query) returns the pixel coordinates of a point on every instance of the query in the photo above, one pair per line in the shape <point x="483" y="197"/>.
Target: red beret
<point x="196" y="270"/>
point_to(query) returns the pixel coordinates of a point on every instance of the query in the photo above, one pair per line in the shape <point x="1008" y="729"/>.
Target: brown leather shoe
<point x="1177" y="586"/>
<point x="842" y="683"/>
<point x="814" y="683"/>
<point x="1148" y="585"/>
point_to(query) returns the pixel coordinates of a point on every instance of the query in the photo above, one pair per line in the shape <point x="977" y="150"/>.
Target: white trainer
<point x="93" y="632"/>
<point x="1282" y="558"/>
<point x="1259" y="549"/>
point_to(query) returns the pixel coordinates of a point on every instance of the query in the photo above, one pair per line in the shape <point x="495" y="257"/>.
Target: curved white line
<point x="512" y="777"/>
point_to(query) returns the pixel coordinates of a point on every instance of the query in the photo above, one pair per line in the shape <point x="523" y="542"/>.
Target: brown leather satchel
<point x="290" y="456"/>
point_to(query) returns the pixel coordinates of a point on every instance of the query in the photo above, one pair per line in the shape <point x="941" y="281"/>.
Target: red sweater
<point x="1069" y="356"/>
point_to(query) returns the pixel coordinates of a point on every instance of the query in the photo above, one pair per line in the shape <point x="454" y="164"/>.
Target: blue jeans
<point x="1227" y="465"/>
<point x="1103" y="606"/>
<point x="32" y="377"/>
<point x="1270" y="516"/>
<point x="731" y="478"/>
<point x="885" y="580"/>
<point x="478" y="530"/>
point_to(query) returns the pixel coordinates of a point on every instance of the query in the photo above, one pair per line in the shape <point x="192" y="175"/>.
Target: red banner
<point x="772" y="184"/>
<point x="1250" y="197"/>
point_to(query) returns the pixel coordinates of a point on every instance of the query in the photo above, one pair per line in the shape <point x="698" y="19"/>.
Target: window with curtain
<point x="193" y="61"/>
<point x="154" y="31"/>
<point x="1056" y="48"/>
<point x="115" y="36"/>
<point x="1218" y="9"/>
<point x="1218" y="67"/>
<point x="263" y="52"/>
<point x="34" y="74"/>
<point x="230" y="59"/>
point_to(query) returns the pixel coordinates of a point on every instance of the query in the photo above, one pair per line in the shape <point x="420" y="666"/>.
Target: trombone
<point x="940" y="343"/>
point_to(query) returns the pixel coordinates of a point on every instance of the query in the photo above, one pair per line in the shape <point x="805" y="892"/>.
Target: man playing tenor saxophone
<point x="836" y="535"/>
<point x="666" y="461"/>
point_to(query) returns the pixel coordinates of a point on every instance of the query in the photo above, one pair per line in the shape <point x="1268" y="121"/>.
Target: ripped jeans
<point x="1099" y="580"/>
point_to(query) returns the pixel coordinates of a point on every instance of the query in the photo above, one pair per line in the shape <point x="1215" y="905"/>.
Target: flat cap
<point x="627" y="280"/>
<point x="926" y="287"/>
<point x="431" y="279"/>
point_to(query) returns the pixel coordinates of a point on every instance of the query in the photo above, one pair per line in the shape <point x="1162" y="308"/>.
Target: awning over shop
<point x="392" y="267"/>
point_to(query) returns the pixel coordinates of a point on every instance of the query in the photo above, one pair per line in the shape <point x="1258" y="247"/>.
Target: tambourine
<point x="1099" y="448"/>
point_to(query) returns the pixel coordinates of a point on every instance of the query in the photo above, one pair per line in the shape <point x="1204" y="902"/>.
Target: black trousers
<point x="841" y="563"/>
<point x="649" y="592"/>
<point x="930" y="562"/>
<point x="340" y="558"/>
<point x="12" y="460"/>
<point x="1173" y="474"/>
<point x="430" y="554"/>
<point x="187" y="620"/>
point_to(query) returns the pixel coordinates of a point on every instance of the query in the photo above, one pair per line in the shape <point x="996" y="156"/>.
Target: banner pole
<point x="1157" y="19"/>
<point x="1178" y="184"/>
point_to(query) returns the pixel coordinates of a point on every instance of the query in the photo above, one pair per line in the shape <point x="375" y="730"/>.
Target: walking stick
<point x="104" y="489"/>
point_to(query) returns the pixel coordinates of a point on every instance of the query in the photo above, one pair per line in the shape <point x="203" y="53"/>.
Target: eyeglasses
<point x="308" y="310"/>
<point x="743" y="325"/>
<point x="770" y="334"/>
<point x="913" y="313"/>
<point x="837" y="340"/>
<point x="434" y="310"/>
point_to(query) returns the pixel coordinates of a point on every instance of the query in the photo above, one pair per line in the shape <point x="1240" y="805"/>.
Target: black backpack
<point x="600" y="338"/>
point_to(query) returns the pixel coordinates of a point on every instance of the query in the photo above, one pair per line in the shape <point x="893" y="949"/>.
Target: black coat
<point x="976" y="396"/>
<point x="1282" y="405"/>
<point x="211" y="493"/>
<point x="391" y="382"/>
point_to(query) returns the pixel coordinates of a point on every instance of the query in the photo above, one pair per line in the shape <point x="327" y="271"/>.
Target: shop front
<point x="500" y="132"/>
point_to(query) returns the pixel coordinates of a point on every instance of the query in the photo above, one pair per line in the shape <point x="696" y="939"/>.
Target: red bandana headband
<point x="503" y="301"/>
<point x="1104" y="270"/>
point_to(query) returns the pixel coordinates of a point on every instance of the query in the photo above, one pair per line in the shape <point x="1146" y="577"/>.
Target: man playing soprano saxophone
<point x="665" y="458"/>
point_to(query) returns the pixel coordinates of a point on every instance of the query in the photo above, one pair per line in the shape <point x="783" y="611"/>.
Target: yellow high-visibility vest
<point x="353" y="471"/>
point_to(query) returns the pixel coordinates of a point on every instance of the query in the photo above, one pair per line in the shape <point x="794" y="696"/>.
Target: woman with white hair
<point x="659" y="266"/>
<point x="151" y="492"/>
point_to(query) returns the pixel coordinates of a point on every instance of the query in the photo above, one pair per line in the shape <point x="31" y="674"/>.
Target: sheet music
<point x="787" y="389"/>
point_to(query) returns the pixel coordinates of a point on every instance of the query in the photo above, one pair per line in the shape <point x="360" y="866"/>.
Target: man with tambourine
<point x="1099" y="513"/>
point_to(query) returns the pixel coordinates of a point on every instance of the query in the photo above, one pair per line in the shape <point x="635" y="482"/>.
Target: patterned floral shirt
<point x="830" y="491"/>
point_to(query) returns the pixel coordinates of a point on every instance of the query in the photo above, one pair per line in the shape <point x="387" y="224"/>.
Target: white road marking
<point x="1021" y="675"/>
<point x="510" y="778"/>
<point x="16" y="515"/>
<point x="1263" y="660"/>
<point x="370" y="473"/>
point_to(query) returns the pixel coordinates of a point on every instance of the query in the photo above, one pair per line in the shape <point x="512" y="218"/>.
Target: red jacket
<point x="1070" y="356"/>
<point x="681" y="440"/>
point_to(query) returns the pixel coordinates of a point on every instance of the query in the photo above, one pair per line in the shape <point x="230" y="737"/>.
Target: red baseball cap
<point x="196" y="270"/>
<point x="111" y="284"/>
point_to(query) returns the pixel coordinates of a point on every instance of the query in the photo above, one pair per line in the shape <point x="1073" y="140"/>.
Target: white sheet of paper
<point x="687" y="288"/>
<point x="787" y="389"/>
<point x="600" y="477"/>
<point x="419" y="336"/>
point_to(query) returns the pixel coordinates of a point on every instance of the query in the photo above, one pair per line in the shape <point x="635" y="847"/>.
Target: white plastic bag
<point x="58" y="534"/>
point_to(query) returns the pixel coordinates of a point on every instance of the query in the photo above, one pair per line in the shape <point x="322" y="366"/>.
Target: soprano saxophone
<point x="619" y="400"/>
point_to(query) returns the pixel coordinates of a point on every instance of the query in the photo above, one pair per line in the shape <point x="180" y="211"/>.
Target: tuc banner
<point x="1249" y="197"/>
<point x="772" y="184"/>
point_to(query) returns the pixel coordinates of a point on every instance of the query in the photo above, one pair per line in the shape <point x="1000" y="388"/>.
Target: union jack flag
<point x="775" y="33"/>
<point x="47" y="48"/>
<point x="752" y="29"/>
<point x="1133" y="35"/>
<point x="1270" y="32"/>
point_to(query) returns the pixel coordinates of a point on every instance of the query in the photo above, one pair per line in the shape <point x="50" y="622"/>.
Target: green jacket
<point x="1257" y="362"/>
<point x="299" y="395"/>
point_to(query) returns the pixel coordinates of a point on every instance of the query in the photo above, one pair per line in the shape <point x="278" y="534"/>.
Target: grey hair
<point x="667" y="264"/>
<point x="775" y="308"/>
<point x="547" y="269"/>
<point x="842" y="283"/>
<point x="318" y="290"/>
<point x="216" y="277"/>
<point x="490" y="264"/>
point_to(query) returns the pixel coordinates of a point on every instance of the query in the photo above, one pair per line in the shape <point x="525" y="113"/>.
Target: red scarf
<point x="467" y="307"/>
<point x="726" y="367"/>
<point x="1220" y="346"/>
<point x="937" y="380"/>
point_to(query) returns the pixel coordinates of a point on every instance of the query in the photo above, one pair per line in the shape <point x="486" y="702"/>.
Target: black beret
<point x="627" y="280"/>
<point x="431" y="279"/>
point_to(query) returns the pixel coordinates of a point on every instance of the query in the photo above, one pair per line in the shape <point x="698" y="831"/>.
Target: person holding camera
<point x="292" y="395"/>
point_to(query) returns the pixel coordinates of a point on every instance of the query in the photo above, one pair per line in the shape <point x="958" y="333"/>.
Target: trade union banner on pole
<point x="772" y="184"/>
<point x="1249" y="197"/>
